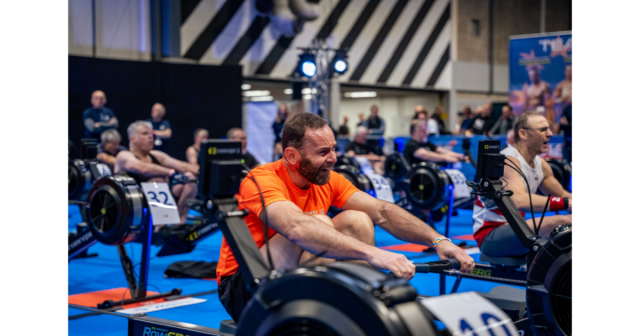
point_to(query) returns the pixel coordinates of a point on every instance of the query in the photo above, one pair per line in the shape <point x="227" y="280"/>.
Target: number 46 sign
<point x="469" y="314"/>
<point x="163" y="207"/>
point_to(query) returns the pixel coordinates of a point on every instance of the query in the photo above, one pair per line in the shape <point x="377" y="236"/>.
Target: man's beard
<point x="312" y="174"/>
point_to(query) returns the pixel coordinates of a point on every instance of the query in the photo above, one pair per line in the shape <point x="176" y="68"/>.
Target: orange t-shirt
<point x="276" y="185"/>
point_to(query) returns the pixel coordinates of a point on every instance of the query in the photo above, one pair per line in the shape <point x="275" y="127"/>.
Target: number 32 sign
<point x="161" y="203"/>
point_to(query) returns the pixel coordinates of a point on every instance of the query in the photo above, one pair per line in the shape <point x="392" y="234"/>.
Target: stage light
<point x="340" y="64"/>
<point x="307" y="64"/>
<point x="308" y="68"/>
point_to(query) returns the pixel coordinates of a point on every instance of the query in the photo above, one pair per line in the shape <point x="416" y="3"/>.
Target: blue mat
<point x="105" y="272"/>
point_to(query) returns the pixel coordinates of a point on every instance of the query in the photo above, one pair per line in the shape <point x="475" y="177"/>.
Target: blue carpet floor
<point x="105" y="272"/>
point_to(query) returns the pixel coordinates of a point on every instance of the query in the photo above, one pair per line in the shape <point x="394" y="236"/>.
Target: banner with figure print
<point x="540" y="73"/>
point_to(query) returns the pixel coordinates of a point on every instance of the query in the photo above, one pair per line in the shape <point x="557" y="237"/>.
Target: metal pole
<point x="146" y="251"/>
<point x="491" y="30"/>
<point x="449" y="211"/>
<point x="93" y="22"/>
<point x="543" y="9"/>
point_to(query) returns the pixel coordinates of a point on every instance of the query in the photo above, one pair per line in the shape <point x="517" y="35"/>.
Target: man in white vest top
<point x="490" y="229"/>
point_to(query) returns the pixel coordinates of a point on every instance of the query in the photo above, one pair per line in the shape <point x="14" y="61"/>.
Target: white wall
<point x="396" y="111"/>
<point x="122" y="29"/>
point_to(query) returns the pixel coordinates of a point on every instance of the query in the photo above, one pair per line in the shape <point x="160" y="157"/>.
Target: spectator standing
<point x="361" y="120"/>
<point x="437" y="116"/>
<point x="467" y="117"/>
<point x="109" y="147"/>
<point x="505" y="123"/>
<point x="565" y="126"/>
<point x="374" y="123"/>
<point x="481" y="122"/>
<point x="194" y="150"/>
<point x="278" y="125"/>
<point x="98" y="118"/>
<point x="161" y="127"/>
<point x="343" y="130"/>
<point x="420" y="113"/>
<point x="238" y="134"/>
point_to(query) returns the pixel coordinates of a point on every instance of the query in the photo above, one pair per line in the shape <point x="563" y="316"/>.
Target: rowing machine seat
<point x="504" y="261"/>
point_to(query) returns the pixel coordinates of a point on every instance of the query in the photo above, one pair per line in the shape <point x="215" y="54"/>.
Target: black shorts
<point x="233" y="294"/>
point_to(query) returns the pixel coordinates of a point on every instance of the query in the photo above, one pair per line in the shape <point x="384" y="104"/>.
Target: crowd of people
<point x="146" y="160"/>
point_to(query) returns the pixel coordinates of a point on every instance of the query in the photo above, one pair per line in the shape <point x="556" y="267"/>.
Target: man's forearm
<point x="164" y="134"/>
<point x="314" y="236"/>
<point x="371" y="157"/>
<point x="154" y="170"/>
<point x="405" y="226"/>
<point x="111" y="123"/>
<point x="107" y="158"/>
<point x="432" y="156"/>
<point x="90" y="124"/>
<point x="523" y="204"/>
<point x="188" y="167"/>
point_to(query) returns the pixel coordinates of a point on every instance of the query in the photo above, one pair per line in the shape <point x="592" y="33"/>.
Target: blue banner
<point x="540" y="74"/>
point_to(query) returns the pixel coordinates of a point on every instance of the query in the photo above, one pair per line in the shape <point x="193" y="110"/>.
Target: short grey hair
<point x="110" y="135"/>
<point x="360" y="130"/>
<point x="131" y="130"/>
<point x="522" y="122"/>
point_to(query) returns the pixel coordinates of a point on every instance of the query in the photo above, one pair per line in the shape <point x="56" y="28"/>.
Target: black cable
<point x="529" y="191"/>
<point x="514" y="167"/>
<point x="265" y="223"/>
<point x="156" y="287"/>
<point x="505" y="181"/>
<point x="543" y="212"/>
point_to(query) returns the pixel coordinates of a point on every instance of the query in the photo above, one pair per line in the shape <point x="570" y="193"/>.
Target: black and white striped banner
<point x="390" y="42"/>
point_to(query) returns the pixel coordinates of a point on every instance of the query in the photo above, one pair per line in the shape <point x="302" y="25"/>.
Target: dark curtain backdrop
<point x="195" y="96"/>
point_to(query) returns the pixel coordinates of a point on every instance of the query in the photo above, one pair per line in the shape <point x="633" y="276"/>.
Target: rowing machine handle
<point x="438" y="266"/>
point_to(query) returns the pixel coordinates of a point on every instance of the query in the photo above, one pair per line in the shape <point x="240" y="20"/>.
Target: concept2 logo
<point x="215" y="150"/>
<point x="153" y="331"/>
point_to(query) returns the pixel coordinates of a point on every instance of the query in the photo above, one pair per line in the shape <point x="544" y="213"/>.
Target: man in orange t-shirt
<point x="298" y="190"/>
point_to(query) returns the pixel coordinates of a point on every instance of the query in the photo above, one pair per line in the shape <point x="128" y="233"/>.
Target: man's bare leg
<point x="286" y="254"/>
<point x="355" y="224"/>
<point x="549" y="223"/>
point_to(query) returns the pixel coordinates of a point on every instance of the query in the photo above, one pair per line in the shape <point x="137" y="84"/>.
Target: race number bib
<point x="470" y="314"/>
<point x="164" y="209"/>
<point x="461" y="189"/>
<point x="381" y="186"/>
<point x="365" y="165"/>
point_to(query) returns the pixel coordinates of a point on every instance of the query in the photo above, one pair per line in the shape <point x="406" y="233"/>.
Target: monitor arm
<point x="493" y="190"/>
